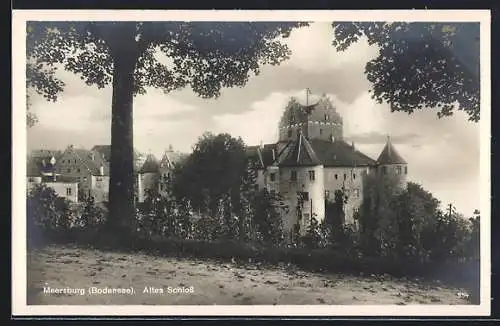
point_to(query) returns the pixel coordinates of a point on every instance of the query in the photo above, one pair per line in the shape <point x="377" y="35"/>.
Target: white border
<point x="19" y="17"/>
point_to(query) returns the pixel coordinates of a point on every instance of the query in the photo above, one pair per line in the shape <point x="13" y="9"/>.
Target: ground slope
<point x="212" y="282"/>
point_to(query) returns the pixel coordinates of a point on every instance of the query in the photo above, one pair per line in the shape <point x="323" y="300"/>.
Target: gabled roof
<point x="151" y="165"/>
<point x="298" y="153"/>
<point x="91" y="160"/>
<point x="389" y="155"/>
<point x="170" y="158"/>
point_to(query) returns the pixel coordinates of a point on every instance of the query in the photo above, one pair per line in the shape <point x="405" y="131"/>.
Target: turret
<point x="392" y="166"/>
<point x="148" y="176"/>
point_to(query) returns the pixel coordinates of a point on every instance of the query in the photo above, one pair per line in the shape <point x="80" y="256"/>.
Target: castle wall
<point x="352" y="180"/>
<point x="313" y="206"/>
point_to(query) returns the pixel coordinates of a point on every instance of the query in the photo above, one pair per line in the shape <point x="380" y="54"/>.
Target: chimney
<point x="352" y="145"/>
<point x="101" y="170"/>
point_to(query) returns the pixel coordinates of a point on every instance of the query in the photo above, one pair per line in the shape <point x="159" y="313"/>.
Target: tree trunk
<point x="122" y="179"/>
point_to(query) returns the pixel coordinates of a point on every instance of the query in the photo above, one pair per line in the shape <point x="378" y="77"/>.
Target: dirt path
<point x="206" y="283"/>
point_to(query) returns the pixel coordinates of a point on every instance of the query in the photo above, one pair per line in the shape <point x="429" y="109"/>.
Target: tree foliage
<point x="420" y="65"/>
<point x="215" y="168"/>
<point x="205" y="56"/>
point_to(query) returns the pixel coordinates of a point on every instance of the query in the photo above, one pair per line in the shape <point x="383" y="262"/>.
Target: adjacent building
<point x="156" y="174"/>
<point x="89" y="169"/>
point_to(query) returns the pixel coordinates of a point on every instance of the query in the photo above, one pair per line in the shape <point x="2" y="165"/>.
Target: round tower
<point x="391" y="167"/>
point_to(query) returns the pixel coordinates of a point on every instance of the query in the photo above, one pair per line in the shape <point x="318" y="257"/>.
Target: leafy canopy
<point x="420" y="65"/>
<point x="203" y="55"/>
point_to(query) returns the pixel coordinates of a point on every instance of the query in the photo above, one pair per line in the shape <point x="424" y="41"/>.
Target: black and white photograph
<point x="269" y="163"/>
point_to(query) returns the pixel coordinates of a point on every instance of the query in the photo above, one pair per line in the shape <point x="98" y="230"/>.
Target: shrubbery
<point x="400" y="232"/>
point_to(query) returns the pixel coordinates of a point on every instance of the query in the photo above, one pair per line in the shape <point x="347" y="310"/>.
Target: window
<point x="356" y="192"/>
<point x="75" y="161"/>
<point x="78" y="170"/>
<point x="327" y="194"/>
<point x="31" y="179"/>
<point x="63" y="161"/>
<point x="68" y="191"/>
<point x="384" y="170"/>
<point x="272" y="177"/>
<point x="406" y="170"/>
<point x="289" y="133"/>
<point x="321" y="131"/>
<point x="69" y="170"/>
<point x="303" y="195"/>
<point x="398" y="169"/>
<point x="272" y="193"/>
<point x="345" y="176"/>
<point x="354" y="175"/>
<point x="312" y="175"/>
<point x="336" y="176"/>
<point x="293" y="175"/>
<point x="327" y="117"/>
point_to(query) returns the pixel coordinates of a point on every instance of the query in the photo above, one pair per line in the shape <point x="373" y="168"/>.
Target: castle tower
<point x="315" y="117"/>
<point x="148" y="176"/>
<point x="301" y="184"/>
<point x="391" y="166"/>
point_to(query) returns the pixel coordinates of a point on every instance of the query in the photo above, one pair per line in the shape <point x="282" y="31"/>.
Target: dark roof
<point x="93" y="162"/>
<point x="330" y="154"/>
<point x="339" y="153"/>
<point x="38" y="165"/>
<point x="104" y="150"/>
<point x="151" y="165"/>
<point x="298" y="153"/>
<point x="389" y="155"/>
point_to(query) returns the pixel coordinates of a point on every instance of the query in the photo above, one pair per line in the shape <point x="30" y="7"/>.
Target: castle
<point x="311" y="161"/>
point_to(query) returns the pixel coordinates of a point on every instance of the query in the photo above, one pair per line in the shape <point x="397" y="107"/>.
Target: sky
<point x="442" y="154"/>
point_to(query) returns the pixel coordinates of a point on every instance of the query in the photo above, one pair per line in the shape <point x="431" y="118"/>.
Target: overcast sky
<point x="443" y="154"/>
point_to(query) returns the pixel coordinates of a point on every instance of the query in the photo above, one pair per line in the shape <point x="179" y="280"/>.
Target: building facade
<point x="311" y="161"/>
